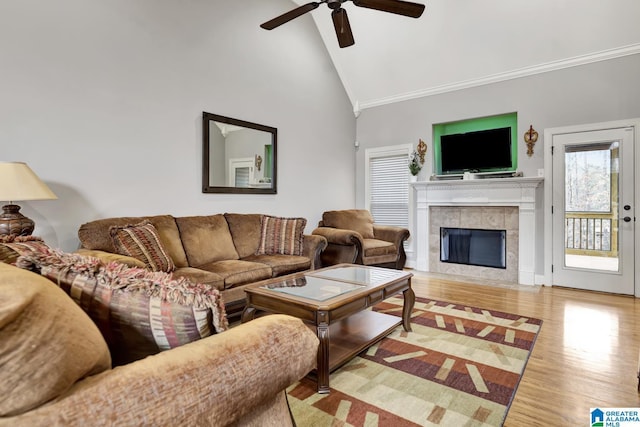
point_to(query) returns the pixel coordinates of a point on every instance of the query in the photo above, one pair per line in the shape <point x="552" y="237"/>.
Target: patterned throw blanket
<point x="11" y="247"/>
<point x="138" y="312"/>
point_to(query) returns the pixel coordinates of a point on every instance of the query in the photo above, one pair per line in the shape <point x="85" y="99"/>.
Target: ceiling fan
<point x="339" y="15"/>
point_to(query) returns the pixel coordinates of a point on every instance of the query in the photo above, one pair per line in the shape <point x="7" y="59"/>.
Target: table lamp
<point x="17" y="183"/>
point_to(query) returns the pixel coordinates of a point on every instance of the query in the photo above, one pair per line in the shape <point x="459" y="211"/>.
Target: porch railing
<point x="590" y="233"/>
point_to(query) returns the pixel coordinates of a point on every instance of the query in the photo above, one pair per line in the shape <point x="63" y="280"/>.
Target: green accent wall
<point x="481" y="123"/>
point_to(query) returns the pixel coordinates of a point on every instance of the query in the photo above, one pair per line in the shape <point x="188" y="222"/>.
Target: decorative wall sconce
<point x="530" y="138"/>
<point x="422" y="150"/>
<point x="258" y="161"/>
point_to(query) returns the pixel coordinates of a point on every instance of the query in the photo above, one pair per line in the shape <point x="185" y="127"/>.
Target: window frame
<point x="389" y="151"/>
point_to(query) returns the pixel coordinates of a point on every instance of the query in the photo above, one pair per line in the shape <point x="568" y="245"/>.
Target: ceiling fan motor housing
<point x="335" y="4"/>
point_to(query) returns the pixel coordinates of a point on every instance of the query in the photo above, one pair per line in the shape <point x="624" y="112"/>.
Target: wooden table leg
<point x="407" y="307"/>
<point x="247" y="314"/>
<point x="322" y="367"/>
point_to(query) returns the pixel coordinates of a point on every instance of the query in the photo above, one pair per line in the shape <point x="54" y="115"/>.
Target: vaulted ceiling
<point x="463" y="43"/>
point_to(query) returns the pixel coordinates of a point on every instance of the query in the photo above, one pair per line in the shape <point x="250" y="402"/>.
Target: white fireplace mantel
<point x="520" y="192"/>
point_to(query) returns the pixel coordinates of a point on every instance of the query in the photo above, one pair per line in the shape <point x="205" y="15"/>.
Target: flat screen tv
<point x="479" y="151"/>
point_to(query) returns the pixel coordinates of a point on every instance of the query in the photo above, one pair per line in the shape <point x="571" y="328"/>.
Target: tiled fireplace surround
<point x="493" y="204"/>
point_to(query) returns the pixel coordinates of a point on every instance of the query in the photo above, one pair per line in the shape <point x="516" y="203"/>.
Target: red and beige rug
<point x="460" y="366"/>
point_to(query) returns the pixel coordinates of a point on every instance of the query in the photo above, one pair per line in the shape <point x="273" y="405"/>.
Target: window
<point x="386" y="184"/>
<point x="241" y="172"/>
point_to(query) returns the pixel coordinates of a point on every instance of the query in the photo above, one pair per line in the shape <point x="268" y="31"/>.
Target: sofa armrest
<point x="214" y="381"/>
<point x="395" y="235"/>
<point x="108" y="257"/>
<point x="312" y="247"/>
<point x="388" y="233"/>
<point x="338" y="236"/>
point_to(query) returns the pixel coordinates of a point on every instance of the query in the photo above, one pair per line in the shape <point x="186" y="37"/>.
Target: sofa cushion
<point x="238" y="272"/>
<point x="141" y="241"/>
<point x="282" y="236"/>
<point x="111" y="257"/>
<point x="282" y="264"/>
<point x="138" y="312"/>
<point x="374" y="247"/>
<point x="198" y="275"/>
<point x="206" y="239"/>
<point x="245" y="231"/>
<point x="95" y="235"/>
<point x="359" y="220"/>
<point x="46" y="342"/>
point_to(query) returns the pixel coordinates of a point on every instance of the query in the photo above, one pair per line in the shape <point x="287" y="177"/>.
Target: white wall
<point x="104" y="99"/>
<point x="597" y="92"/>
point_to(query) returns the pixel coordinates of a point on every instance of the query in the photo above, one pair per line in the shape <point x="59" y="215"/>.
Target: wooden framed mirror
<point x="238" y="156"/>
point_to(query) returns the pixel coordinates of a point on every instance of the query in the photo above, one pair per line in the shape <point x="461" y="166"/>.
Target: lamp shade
<point x="18" y="182"/>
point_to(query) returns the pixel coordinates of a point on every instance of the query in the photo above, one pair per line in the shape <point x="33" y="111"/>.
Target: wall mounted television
<point x="477" y="151"/>
<point x="468" y="128"/>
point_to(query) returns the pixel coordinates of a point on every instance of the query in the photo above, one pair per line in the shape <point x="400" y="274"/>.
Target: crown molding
<point x="605" y="55"/>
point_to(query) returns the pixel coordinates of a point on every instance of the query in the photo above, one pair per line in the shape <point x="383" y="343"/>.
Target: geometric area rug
<point x="460" y="366"/>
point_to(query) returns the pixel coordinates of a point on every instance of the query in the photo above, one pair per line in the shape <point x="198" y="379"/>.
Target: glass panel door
<point x="591" y="205"/>
<point x="593" y="219"/>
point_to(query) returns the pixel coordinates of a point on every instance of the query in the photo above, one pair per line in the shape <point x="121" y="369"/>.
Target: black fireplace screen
<point x="470" y="246"/>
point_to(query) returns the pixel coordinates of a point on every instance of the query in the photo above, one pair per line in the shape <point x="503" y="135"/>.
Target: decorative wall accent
<point x="530" y="138"/>
<point x="422" y="150"/>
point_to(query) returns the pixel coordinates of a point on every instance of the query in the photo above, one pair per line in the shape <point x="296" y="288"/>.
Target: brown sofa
<point x="354" y="238"/>
<point x="56" y="368"/>
<point x="217" y="250"/>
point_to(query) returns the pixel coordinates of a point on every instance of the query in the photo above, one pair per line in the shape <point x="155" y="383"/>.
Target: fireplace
<point x="507" y="204"/>
<point x="488" y="218"/>
<point x="472" y="246"/>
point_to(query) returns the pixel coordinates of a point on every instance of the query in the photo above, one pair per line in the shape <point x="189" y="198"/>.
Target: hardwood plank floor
<point x="586" y="354"/>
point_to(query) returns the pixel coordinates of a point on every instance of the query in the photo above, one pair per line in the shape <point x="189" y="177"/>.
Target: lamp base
<point x="13" y="222"/>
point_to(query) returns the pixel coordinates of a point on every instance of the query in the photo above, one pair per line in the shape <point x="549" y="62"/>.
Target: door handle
<point x="626" y="219"/>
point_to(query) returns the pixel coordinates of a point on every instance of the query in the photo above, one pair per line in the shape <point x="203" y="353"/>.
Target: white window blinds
<point x="388" y="189"/>
<point x="242" y="177"/>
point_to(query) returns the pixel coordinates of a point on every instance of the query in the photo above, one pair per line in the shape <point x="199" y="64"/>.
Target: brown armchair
<point x="353" y="238"/>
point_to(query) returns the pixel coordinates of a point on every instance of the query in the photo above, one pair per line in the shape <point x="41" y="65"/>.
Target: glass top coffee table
<point x="333" y="301"/>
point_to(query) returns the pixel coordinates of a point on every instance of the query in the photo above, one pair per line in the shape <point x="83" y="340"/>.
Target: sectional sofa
<point x="226" y="251"/>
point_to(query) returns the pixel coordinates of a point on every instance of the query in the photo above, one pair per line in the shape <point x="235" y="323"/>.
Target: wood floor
<point x="586" y="354"/>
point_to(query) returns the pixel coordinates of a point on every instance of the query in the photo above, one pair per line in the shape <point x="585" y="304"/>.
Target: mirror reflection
<point x="238" y="156"/>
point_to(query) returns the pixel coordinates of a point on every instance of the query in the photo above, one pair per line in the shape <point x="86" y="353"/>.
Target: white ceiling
<point x="463" y="43"/>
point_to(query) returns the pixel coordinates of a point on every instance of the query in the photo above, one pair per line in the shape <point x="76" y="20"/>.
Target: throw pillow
<point x="139" y="312"/>
<point x="47" y="343"/>
<point x="281" y="236"/>
<point x="142" y="241"/>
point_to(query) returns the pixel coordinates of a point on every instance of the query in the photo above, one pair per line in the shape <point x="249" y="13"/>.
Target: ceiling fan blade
<point x="292" y="14"/>
<point x="399" y="7"/>
<point x="343" y="29"/>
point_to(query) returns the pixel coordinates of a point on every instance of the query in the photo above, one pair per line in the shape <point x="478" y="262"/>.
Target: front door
<point x="593" y="210"/>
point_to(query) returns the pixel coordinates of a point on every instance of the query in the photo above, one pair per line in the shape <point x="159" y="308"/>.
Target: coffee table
<point x="333" y="301"/>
